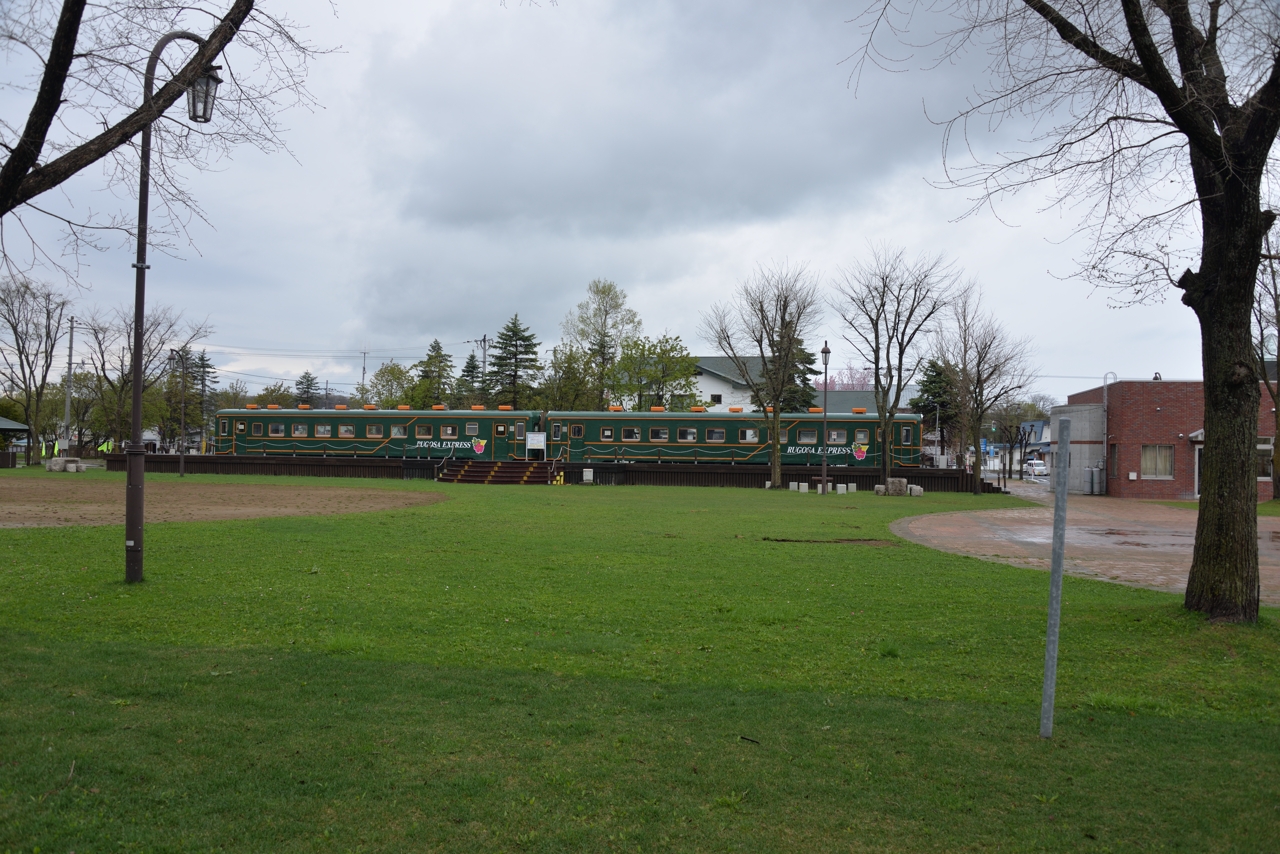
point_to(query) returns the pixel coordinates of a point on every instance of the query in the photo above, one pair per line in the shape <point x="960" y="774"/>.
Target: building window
<point x="422" y="431"/>
<point x="807" y="437"/>
<point x="399" y="431"/>
<point x="346" y="431"/>
<point x="748" y="436"/>
<point x="373" y="431"/>
<point x="686" y="434"/>
<point x="606" y="434"/>
<point x="715" y="434"/>
<point x="658" y="434"/>
<point x="324" y="431"/>
<point x="473" y="428"/>
<point x="1157" y="461"/>
<point x="837" y="437"/>
<point x="299" y="431"/>
<point x="257" y="429"/>
<point x="575" y="431"/>
<point x="448" y="431"/>
<point x="717" y="399"/>
<point x="1264" y="457"/>
<point x="276" y="431"/>
<point x="631" y="434"/>
<point x="1113" y="460"/>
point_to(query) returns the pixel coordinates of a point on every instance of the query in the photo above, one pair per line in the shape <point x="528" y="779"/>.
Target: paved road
<point x="1122" y="540"/>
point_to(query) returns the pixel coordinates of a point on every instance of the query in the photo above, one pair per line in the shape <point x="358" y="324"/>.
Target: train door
<point x="577" y="440"/>
<point x="500" y="430"/>
<point x="558" y="439"/>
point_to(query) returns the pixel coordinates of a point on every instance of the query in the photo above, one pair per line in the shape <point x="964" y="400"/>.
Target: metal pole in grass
<point x="826" y="357"/>
<point x="1062" y="462"/>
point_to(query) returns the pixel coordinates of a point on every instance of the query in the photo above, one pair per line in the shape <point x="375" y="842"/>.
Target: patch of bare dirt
<point x="63" y="499"/>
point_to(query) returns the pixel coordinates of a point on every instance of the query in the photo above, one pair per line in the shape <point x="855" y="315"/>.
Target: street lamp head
<point x="826" y="354"/>
<point x="202" y="94"/>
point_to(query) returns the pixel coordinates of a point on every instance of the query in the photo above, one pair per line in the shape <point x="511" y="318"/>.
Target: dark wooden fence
<point x="607" y="474"/>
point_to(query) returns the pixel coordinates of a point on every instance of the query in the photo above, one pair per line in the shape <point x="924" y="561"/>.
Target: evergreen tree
<point x="938" y="402"/>
<point x="800" y="393"/>
<point x="469" y="389"/>
<point x="435" y="378"/>
<point x="514" y="366"/>
<point x="205" y="375"/>
<point x="307" y="389"/>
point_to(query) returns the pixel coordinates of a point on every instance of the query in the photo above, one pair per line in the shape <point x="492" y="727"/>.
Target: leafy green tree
<point x="234" y="396"/>
<point x="938" y="402"/>
<point x="435" y="378"/>
<point x="599" y="326"/>
<point x="514" y="367"/>
<point x="655" y="372"/>
<point x="388" y="388"/>
<point x="306" y="389"/>
<point x="570" y="380"/>
<point x="278" y="393"/>
<point x="471" y="388"/>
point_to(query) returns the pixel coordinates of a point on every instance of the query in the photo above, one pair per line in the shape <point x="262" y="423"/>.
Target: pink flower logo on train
<point x="477" y="445"/>
<point x="859" y="452"/>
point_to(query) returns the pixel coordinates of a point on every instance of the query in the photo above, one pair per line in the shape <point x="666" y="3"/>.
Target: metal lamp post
<point x="826" y="357"/>
<point x="179" y="358"/>
<point x="200" y="101"/>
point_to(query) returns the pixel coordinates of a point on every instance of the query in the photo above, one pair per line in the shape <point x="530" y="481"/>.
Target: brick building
<point x="1154" y="433"/>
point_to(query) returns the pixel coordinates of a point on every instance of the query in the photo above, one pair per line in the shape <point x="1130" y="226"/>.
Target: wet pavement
<point x="1123" y="540"/>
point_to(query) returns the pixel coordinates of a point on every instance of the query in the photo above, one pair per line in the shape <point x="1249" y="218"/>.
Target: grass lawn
<point x="597" y="668"/>
<point x="1265" y="508"/>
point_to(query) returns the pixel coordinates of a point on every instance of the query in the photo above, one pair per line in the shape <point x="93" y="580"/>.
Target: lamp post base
<point x="135" y="460"/>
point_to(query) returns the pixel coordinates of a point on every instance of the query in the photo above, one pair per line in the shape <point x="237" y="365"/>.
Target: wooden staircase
<point x="496" y="471"/>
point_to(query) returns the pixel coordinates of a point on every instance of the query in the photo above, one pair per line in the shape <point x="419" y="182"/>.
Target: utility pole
<point x="71" y="341"/>
<point x="326" y="394"/>
<point x="364" y="358"/>
<point x="484" y="354"/>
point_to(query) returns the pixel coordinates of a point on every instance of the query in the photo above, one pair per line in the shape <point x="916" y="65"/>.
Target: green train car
<point x="728" y="437"/>
<point x="585" y="437"/>
<point x="416" y="434"/>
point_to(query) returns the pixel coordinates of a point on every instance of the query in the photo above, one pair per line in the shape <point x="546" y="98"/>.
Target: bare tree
<point x="31" y="315"/>
<point x="987" y="366"/>
<point x="83" y="65"/>
<point x="767" y="320"/>
<point x="109" y="339"/>
<point x="889" y="305"/>
<point x="1161" y="119"/>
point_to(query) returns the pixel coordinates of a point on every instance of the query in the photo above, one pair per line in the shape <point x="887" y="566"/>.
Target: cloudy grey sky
<point x="471" y="161"/>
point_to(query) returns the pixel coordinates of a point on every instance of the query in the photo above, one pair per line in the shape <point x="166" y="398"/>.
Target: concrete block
<point x="804" y="487"/>
<point x="915" y="491"/>
<point x="588" y="476"/>
<point x="793" y="486"/>
<point x="896" y="486"/>
<point x="880" y="489"/>
<point x="768" y="484"/>
<point x="842" y="488"/>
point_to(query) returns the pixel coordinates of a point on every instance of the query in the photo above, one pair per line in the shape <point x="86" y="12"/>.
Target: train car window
<point x="555" y="432"/>
<point x="499" y="429"/>
<point x="715" y="434"/>
<point x="422" y="431"/>
<point x="717" y="399"/>
<point x="631" y="434"/>
<point x="473" y="428"/>
<point x="686" y="434"/>
<point x="222" y="426"/>
<point x="658" y="434"/>
<point x="448" y="431"/>
<point x="861" y="437"/>
<point x="782" y="436"/>
<point x="276" y="430"/>
<point x="299" y="431"/>
<point x="346" y="431"/>
<point x="520" y="430"/>
<point x="879" y="434"/>
<point x="324" y="431"/>
<point x="239" y="426"/>
<point x="837" y="437"/>
<point x="373" y="431"/>
<point x="807" y="437"/>
<point x="399" y="431"/>
<point x="906" y="435"/>
<point x="748" y="436"/>
<point x="575" y="431"/>
<point x="606" y="434"/>
<point x="256" y="429"/>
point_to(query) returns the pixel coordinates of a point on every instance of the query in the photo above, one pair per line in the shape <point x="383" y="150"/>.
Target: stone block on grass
<point x="915" y="491"/>
<point x="880" y="489"/>
<point x="896" y="486"/>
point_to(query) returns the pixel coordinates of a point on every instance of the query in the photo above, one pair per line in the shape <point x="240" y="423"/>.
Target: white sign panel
<point x="535" y="441"/>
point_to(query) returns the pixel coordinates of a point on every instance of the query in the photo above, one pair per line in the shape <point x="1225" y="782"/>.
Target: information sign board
<point x="535" y="441"/>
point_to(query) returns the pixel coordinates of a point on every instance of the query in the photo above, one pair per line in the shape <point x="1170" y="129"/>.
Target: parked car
<point x="1035" y="468"/>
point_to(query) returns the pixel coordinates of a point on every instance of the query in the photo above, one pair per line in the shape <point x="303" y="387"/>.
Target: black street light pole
<point x="200" y="98"/>
<point x="826" y="357"/>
